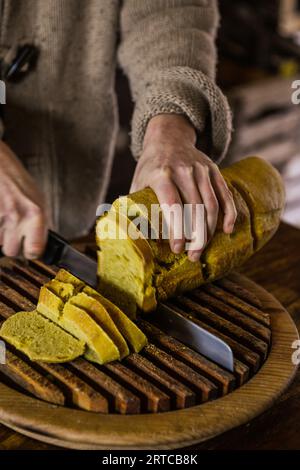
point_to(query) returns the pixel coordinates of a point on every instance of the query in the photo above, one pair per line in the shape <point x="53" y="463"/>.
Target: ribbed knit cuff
<point x="182" y="90"/>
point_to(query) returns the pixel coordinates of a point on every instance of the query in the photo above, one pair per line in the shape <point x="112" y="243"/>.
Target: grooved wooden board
<point x="161" y="398"/>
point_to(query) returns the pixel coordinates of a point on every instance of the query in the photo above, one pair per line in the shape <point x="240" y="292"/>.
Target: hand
<point x="23" y="224"/>
<point x="179" y="173"/>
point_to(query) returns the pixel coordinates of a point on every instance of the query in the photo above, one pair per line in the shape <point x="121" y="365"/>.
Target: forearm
<point x="169" y="127"/>
<point x="168" y="52"/>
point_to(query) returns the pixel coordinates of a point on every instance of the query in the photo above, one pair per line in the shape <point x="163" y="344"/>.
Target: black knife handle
<point x="54" y="248"/>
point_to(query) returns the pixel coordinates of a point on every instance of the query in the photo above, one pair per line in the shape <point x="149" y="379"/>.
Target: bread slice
<point x="143" y="207"/>
<point x="173" y="274"/>
<point x="226" y="251"/>
<point x="97" y="311"/>
<point x="260" y="184"/>
<point x="125" y="264"/>
<point x="50" y="304"/>
<point x="62" y="289"/>
<point x="40" y="339"/>
<point x="100" y="348"/>
<point x="65" y="276"/>
<point x="134" y="336"/>
<point x="55" y="303"/>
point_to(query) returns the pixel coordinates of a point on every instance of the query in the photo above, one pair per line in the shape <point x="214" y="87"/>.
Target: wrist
<point x="170" y="127"/>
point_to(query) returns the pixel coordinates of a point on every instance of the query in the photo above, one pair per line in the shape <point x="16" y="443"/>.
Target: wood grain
<point x="61" y="426"/>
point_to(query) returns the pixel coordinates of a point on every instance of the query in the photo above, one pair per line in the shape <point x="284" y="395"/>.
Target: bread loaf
<point x="137" y="274"/>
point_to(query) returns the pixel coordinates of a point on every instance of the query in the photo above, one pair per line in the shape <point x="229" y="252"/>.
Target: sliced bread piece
<point x="97" y="311"/>
<point x="65" y="276"/>
<point x="50" y="304"/>
<point x="135" y="337"/>
<point x="55" y="304"/>
<point x="63" y="290"/>
<point x="100" y="348"/>
<point x="125" y="264"/>
<point x="143" y="206"/>
<point x="173" y="274"/>
<point x="40" y="339"/>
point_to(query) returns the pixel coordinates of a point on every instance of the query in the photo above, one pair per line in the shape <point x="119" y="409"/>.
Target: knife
<point x="59" y="252"/>
<point x="193" y="335"/>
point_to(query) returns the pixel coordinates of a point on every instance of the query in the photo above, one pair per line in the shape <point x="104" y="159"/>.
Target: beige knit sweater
<point x="61" y="120"/>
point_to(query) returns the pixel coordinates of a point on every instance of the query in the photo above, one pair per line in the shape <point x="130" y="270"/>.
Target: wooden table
<point x="277" y="268"/>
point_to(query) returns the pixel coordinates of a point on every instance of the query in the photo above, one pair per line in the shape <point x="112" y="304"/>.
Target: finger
<point x="171" y="206"/>
<point x="194" y="217"/>
<point x="133" y="186"/>
<point x="12" y="240"/>
<point x="226" y="200"/>
<point x="35" y="235"/>
<point x="1" y="231"/>
<point x="137" y="182"/>
<point x="209" y="198"/>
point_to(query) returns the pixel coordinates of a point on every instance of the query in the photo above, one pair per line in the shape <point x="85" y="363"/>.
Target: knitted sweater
<point x="61" y="119"/>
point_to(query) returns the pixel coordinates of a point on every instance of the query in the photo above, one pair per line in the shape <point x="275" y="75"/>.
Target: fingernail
<point x="229" y="228"/>
<point x="177" y="248"/>
<point x="31" y="256"/>
<point x="194" y="256"/>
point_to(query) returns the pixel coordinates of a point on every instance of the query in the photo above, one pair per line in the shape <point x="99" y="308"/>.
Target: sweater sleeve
<point x="168" y="52"/>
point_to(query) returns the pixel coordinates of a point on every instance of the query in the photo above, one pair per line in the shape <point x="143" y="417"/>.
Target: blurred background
<point x="259" y="58"/>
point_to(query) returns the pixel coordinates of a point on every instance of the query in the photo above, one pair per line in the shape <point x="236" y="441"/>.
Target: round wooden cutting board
<point x="169" y="430"/>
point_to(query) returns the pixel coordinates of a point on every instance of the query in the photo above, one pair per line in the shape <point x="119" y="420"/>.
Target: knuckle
<point x="185" y="169"/>
<point x="165" y="171"/>
<point x="171" y="200"/>
<point x="10" y="205"/>
<point x="34" y="210"/>
<point x="228" y="191"/>
<point x="13" y="217"/>
<point x="232" y="214"/>
<point x="214" y="167"/>
<point x="213" y="203"/>
<point x="204" y="168"/>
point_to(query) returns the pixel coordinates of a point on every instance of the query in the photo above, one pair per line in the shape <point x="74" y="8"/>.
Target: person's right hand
<point x="23" y="222"/>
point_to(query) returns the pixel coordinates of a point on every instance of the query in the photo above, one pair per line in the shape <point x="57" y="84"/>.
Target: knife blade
<point x="193" y="335"/>
<point x="59" y="252"/>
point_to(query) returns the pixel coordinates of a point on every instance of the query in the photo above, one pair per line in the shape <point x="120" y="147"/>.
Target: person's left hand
<point x="179" y="173"/>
